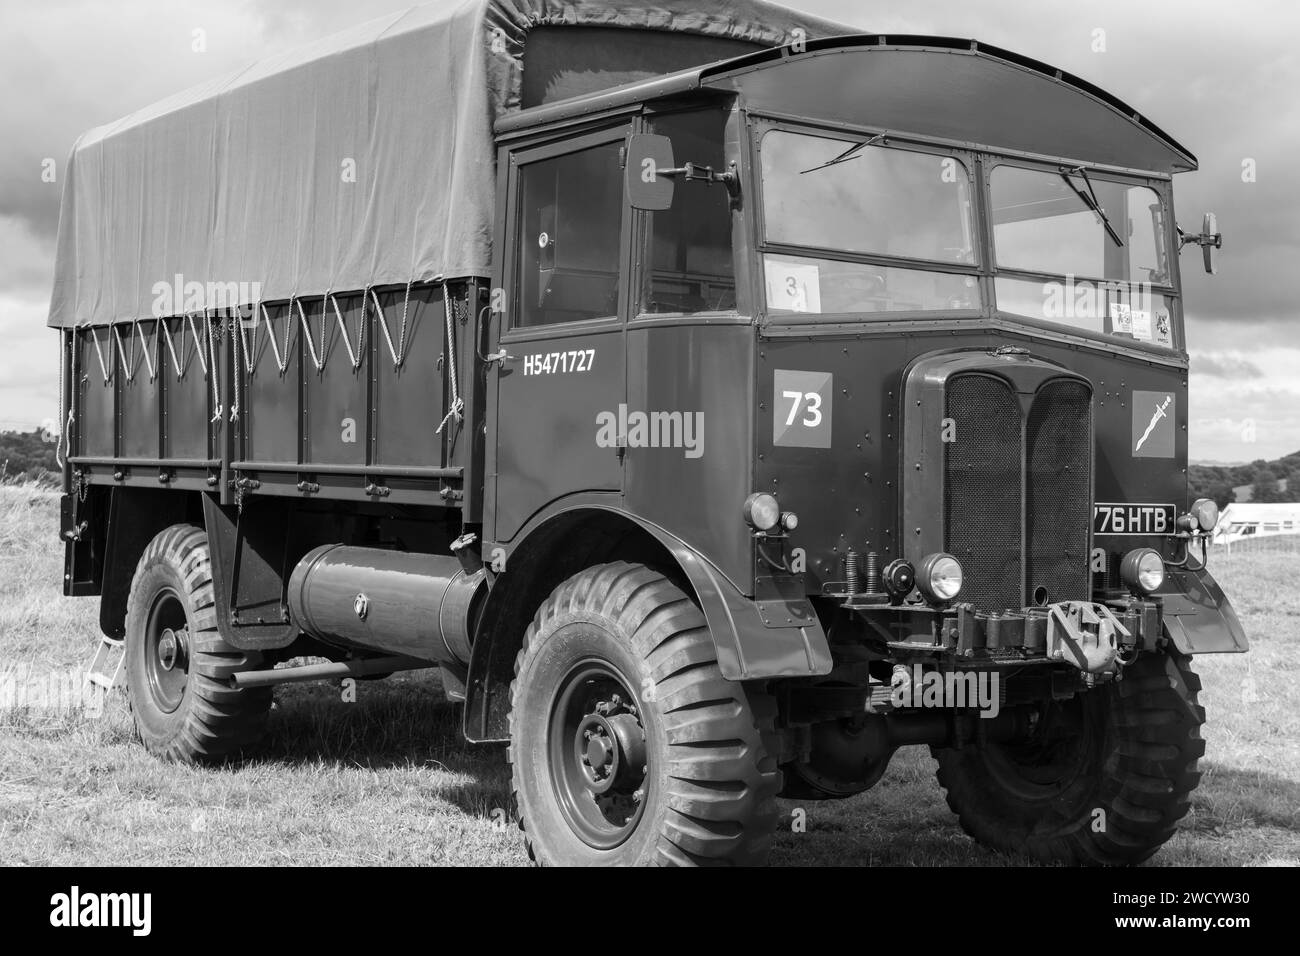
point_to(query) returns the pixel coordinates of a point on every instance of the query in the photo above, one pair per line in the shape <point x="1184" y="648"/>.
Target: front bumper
<point x="1095" y="637"/>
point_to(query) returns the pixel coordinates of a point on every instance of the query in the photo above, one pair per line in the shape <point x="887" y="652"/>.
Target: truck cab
<point x="882" y="340"/>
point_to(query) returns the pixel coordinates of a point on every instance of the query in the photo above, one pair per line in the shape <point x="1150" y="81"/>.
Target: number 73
<point x="801" y="401"/>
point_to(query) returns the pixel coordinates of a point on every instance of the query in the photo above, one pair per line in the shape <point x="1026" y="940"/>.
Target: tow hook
<point x="1087" y="636"/>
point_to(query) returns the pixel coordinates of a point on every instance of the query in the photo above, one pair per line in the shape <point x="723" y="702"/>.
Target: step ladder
<point x="102" y="675"/>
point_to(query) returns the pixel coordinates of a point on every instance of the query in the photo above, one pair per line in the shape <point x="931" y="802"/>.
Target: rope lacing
<point x="457" y="403"/>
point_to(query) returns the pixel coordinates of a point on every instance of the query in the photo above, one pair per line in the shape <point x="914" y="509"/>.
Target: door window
<point x="689" y="267"/>
<point x="568" y="255"/>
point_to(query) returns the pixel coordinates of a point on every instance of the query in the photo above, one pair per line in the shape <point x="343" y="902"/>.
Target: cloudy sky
<point x="1221" y="78"/>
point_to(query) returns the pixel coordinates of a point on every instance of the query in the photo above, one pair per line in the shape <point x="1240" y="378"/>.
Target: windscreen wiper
<point x="853" y="152"/>
<point x="1089" y="198"/>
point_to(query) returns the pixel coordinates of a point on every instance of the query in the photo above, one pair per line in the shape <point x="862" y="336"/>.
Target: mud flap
<point x="1198" y="617"/>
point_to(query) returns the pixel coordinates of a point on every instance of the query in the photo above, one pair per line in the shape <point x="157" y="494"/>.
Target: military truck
<point x="722" y="401"/>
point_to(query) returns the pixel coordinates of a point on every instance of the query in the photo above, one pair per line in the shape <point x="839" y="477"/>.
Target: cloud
<point x="1225" y="439"/>
<point x="69" y="65"/>
<point x="1224" y="365"/>
<point x="1241" y="408"/>
<point x="26" y="258"/>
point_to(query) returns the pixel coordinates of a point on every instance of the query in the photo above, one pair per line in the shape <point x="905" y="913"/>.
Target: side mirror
<point x="1209" y="240"/>
<point x="649" y="172"/>
<point x="1210" y="231"/>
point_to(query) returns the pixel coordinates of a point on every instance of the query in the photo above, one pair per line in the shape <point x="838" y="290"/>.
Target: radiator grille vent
<point x="983" y="490"/>
<point x="1017" y="490"/>
<point x="1058" y="457"/>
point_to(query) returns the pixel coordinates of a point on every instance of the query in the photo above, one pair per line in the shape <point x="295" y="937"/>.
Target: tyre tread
<point x="721" y="783"/>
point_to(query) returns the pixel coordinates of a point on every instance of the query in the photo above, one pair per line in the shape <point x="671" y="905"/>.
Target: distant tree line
<point x="1270" y="481"/>
<point x="28" y="456"/>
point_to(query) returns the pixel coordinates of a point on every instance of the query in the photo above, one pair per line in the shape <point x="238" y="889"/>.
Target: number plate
<point x="1112" y="518"/>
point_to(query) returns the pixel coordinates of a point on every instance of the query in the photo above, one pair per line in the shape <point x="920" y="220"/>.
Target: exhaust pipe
<point x="414" y="605"/>
<point x="307" y="672"/>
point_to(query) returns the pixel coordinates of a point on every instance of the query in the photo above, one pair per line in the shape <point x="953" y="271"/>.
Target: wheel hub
<point x="171" y="648"/>
<point x="166" y="651"/>
<point x="599" y="747"/>
<point x="611" y="750"/>
<point x="1055" y="749"/>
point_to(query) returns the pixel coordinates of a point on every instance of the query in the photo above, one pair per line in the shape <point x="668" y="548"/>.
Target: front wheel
<point x="627" y="745"/>
<point x="1103" y="779"/>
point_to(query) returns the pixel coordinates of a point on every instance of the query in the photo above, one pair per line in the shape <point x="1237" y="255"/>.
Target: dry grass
<point x="389" y="780"/>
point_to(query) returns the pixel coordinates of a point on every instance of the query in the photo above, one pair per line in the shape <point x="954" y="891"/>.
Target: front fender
<point x="776" y="636"/>
<point x="1198" y="617"/>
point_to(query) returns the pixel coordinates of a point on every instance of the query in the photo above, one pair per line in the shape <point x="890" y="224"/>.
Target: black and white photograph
<point x="577" y="433"/>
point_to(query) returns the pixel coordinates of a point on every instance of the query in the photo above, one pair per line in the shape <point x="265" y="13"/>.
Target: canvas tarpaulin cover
<point x="364" y="159"/>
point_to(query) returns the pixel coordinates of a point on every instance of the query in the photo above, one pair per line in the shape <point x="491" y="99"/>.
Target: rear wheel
<point x="177" y="666"/>
<point x="627" y="744"/>
<point x="1103" y="779"/>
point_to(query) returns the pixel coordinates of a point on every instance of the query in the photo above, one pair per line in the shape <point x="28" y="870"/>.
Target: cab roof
<point x="954" y="90"/>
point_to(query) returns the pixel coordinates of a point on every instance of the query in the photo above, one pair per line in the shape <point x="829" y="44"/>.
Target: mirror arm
<point x="1213" y="240"/>
<point x="694" y="172"/>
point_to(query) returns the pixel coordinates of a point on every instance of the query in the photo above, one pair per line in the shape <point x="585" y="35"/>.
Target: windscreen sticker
<point x="793" y="286"/>
<point x="1121" y="318"/>
<point x="1126" y="518"/>
<point x="1153" y="424"/>
<point x="1141" y="324"/>
<point x="1163" y="334"/>
<point x="801" y="409"/>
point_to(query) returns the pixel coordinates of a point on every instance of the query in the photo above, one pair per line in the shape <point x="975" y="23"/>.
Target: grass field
<point x="387" y="779"/>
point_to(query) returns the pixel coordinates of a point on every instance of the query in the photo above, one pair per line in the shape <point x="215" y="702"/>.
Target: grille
<point x="982" y="490"/>
<point x="1058" y="459"/>
<point x="1017" y="490"/>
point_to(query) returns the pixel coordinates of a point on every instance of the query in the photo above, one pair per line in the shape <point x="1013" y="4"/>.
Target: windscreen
<point x="845" y="217"/>
<point x="1081" y="250"/>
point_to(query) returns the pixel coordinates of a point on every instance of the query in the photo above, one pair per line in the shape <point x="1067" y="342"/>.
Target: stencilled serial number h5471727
<point x="559" y="363"/>
<point x="1127" y="518"/>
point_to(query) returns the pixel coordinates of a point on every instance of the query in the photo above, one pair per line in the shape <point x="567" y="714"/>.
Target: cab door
<point x="561" y="382"/>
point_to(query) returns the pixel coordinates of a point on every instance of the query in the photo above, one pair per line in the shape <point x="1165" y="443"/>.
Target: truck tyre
<point x="1102" y="780"/>
<point x="177" y="666"/>
<point x="627" y="746"/>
